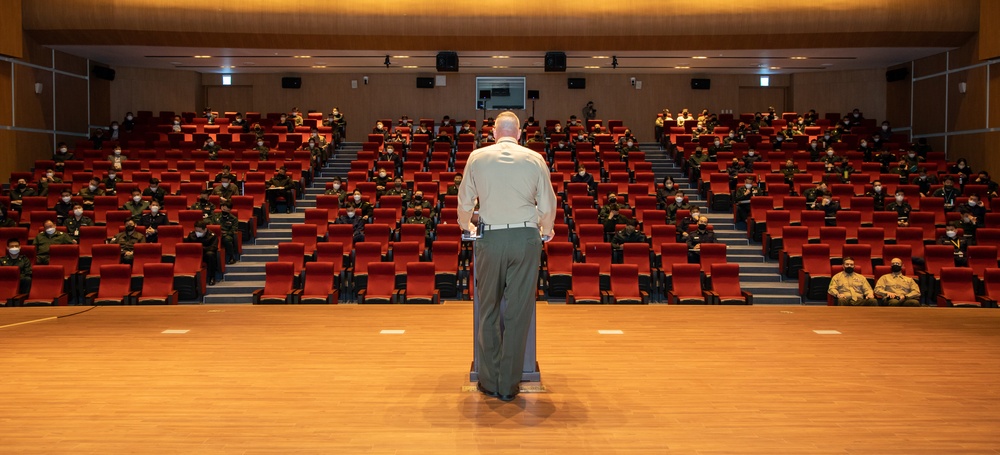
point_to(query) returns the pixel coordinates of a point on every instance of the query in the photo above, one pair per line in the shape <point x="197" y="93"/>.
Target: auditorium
<point x="264" y="227"/>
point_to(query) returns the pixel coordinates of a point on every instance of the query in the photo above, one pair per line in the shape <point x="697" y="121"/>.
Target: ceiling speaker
<point x="555" y="62"/>
<point x="447" y="61"/>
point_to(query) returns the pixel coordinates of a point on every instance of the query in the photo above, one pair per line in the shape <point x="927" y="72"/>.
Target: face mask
<point x="418" y="213"/>
<point x="50" y="231"/>
<point x="856" y="115"/>
<point x="630" y="143"/>
<point x="751" y="153"/>
<point x="829" y="153"/>
<point x="118" y="152"/>
<point x="416" y="198"/>
<point x="580" y="136"/>
<point x="897" y="268"/>
<point x="199" y="234"/>
<point x="357" y="197"/>
<point x="813" y="145"/>
<point x="312" y="144"/>
<point x="960" y="166"/>
<point x="92" y="188"/>
<point x="115" y="127"/>
<point x="911" y="155"/>
<point x="848" y="270"/>
<point x="260" y="143"/>
<point x="350" y="214"/>
<point x="128" y="117"/>
<point x="211" y="143"/>
<point x="21" y="186"/>
<point x="136" y="198"/>
<point x="702" y="226"/>
<point x="972" y="203"/>
<point x="582" y="173"/>
<point x="899" y="199"/>
<point x="885" y="127"/>
<point x="826" y="136"/>
<point x="154" y="210"/>
<point x="951" y="234"/>
<point x="878" y="188"/>
<point x="864" y="144"/>
<point x="225" y="184"/>
<point x="130" y="228"/>
<point x="668" y="186"/>
<point x="78" y="212"/>
<point x="781" y="138"/>
<point x="716" y="143"/>
<point x="336" y="186"/>
<point x="679" y="199"/>
<point x="694" y="215"/>
<point x="66" y="198"/>
<point x="62" y="150"/>
<point x="381" y="174"/>
<point x="50" y="175"/>
<point x="748" y="185"/>
<point x="14" y="251"/>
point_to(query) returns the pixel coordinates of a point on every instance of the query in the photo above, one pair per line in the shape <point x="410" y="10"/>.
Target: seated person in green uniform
<point x="14" y="258"/>
<point x="897" y="289"/>
<point x="204" y="204"/>
<point x="136" y="205"/>
<point x="230" y="229"/>
<point x="419" y="217"/>
<point x="629" y="234"/>
<point x="75" y="221"/>
<point x="210" y="248"/>
<point x="48" y="237"/>
<point x="850" y="288"/>
<point x="127" y="239"/>
<point x="152" y="221"/>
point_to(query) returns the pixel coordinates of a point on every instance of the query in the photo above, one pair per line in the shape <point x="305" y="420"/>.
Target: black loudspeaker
<point x="701" y="84"/>
<point x="101" y="72"/>
<point x="485" y="94"/>
<point x="425" y="82"/>
<point x="555" y="62"/>
<point x="291" y="82"/>
<point x="447" y="61"/>
<point x="532" y="94"/>
<point x="576" y="82"/>
<point x="897" y="74"/>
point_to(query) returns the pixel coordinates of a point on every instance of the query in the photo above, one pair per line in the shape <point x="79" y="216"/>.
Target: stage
<point x="248" y="379"/>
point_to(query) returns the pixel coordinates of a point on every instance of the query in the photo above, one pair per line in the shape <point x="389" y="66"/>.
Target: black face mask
<point x="897" y="268"/>
<point x="129" y="228"/>
<point x="702" y="226"/>
<point x="848" y="269"/>
<point x="612" y="200"/>
<point x="21" y="186"/>
<point x="417" y="198"/>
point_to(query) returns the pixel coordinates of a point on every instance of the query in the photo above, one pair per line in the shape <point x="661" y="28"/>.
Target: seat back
<point x="306" y="235"/>
<point x="794" y="238"/>
<point x="116" y="281"/>
<point x="625" y="282"/>
<point x="836" y="237"/>
<point x="982" y="257"/>
<point x="10" y="281"/>
<point x="319" y="218"/>
<point x="320" y="278"/>
<point x="956" y="285"/>
<point x="280" y="278"/>
<point x="143" y="254"/>
<point x="381" y="280"/>
<point x="104" y="255"/>
<point x="637" y="254"/>
<point x="874" y="237"/>
<point x="861" y="253"/>
<point x="599" y="253"/>
<point x="991" y="281"/>
<point x="366" y="253"/>
<point x="672" y="254"/>
<point x="445" y="255"/>
<point x="420" y="279"/>
<point x="188" y="258"/>
<point x="586" y="282"/>
<point x="914" y="237"/>
<point x="294" y="253"/>
<point x="46" y="281"/>
<point x="726" y="280"/>
<point x="67" y="256"/>
<point x="712" y="253"/>
<point x="158" y="280"/>
<point x="331" y="252"/>
<point x="816" y="259"/>
<point x="690" y="276"/>
<point x="937" y="257"/>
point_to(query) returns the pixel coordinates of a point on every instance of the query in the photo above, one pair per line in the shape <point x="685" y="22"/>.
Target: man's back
<point x="509" y="181"/>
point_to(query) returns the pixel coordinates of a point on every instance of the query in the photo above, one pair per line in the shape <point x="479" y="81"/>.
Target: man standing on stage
<point x="517" y="210"/>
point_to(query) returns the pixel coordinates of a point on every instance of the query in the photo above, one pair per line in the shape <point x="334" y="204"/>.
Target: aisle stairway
<point x="758" y="275"/>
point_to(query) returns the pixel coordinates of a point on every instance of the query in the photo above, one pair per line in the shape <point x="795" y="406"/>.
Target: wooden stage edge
<point x="242" y="379"/>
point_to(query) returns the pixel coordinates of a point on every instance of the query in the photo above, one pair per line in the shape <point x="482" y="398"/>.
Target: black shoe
<point x="508" y="397"/>
<point x="484" y="391"/>
<point x="211" y="281"/>
<point x="230" y="261"/>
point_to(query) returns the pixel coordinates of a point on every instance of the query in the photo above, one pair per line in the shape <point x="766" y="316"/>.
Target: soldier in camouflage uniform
<point x="127" y="240"/>
<point x="230" y="230"/>
<point x="14" y="258"/>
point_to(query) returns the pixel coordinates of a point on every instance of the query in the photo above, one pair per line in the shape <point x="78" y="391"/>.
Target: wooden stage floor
<point x="325" y="380"/>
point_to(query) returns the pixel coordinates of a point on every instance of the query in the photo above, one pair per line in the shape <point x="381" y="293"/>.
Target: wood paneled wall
<point x="143" y="89"/>
<point x="10" y="28"/>
<point x="842" y="91"/>
<point x="989" y="29"/>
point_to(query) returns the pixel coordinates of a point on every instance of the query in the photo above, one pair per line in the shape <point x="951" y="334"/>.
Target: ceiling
<point x="292" y="61"/>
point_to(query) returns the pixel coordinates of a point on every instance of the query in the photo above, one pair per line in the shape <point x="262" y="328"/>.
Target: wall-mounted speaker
<point x="555" y="62"/>
<point x="425" y="82"/>
<point x="897" y="74"/>
<point x="485" y="94"/>
<point x="701" y="84"/>
<point x="447" y="61"/>
<point x="101" y="72"/>
<point x="291" y="82"/>
<point x="532" y="94"/>
<point x="576" y="83"/>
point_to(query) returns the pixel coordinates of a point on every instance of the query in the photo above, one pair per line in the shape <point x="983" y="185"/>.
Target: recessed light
<point x="501" y="56"/>
<point x="410" y="67"/>
<point x="319" y="66"/>
<point x="202" y="56"/>
<point x="175" y="63"/>
<point x="601" y="56"/>
<point x="227" y="67"/>
<point x="400" y="56"/>
<point x="303" y="56"/>
<point x="499" y="67"/>
<point x="826" y="64"/>
<point x="799" y="58"/>
<point x="592" y="67"/>
<point x="699" y="57"/>
<point x="682" y="67"/>
<point x="776" y="67"/>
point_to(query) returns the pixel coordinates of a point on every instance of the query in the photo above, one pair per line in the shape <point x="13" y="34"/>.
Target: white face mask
<point x="350" y="214"/>
<point x="951" y="234"/>
<point x="50" y="231"/>
<point x="972" y="203"/>
<point x="136" y="198"/>
<point x="885" y="127"/>
<point x="14" y="251"/>
<point x="66" y="198"/>
<point x="694" y="215"/>
<point x="960" y="166"/>
<point x="154" y="210"/>
<point x="856" y="115"/>
<point x="357" y="197"/>
<point x="829" y="153"/>
<point x="717" y="143"/>
<point x="312" y="144"/>
<point x="899" y="198"/>
<point x="92" y="188"/>
<point x="260" y="143"/>
<point x="864" y="144"/>
<point x="911" y="155"/>
<point x="78" y="212"/>
<point x="582" y="173"/>
<point x="629" y="143"/>
<point x="336" y="186"/>
<point x="679" y="199"/>
<point x="381" y="174"/>
<point x="751" y="153"/>
<point x="210" y="143"/>
<point x="115" y="127"/>
<point x="225" y="184"/>
<point x="748" y="185"/>
<point x="50" y="175"/>
<point x="878" y="188"/>
<point x="199" y="234"/>
<point x="177" y="122"/>
<point x="118" y="152"/>
<point x="62" y="150"/>
<point x="128" y="117"/>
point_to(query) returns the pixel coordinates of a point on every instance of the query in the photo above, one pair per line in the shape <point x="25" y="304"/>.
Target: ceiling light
<point x="501" y="56"/>
<point x="400" y="56"/>
<point x="202" y="56"/>
<point x="499" y="67"/>
<point x="592" y="67"/>
<point x="410" y="67"/>
<point x="799" y="58"/>
<point x="319" y="66"/>
<point x="302" y="56"/>
<point x="601" y="56"/>
<point x="699" y="57"/>
<point x="776" y="67"/>
<point x="682" y="67"/>
<point x="826" y="64"/>
<point x="227" y="67"/>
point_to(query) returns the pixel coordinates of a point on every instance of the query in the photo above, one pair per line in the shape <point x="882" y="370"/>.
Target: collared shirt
<point x="897" y="284"/>
<point x="854" y="285"/>
<point x="511" y="184"/>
